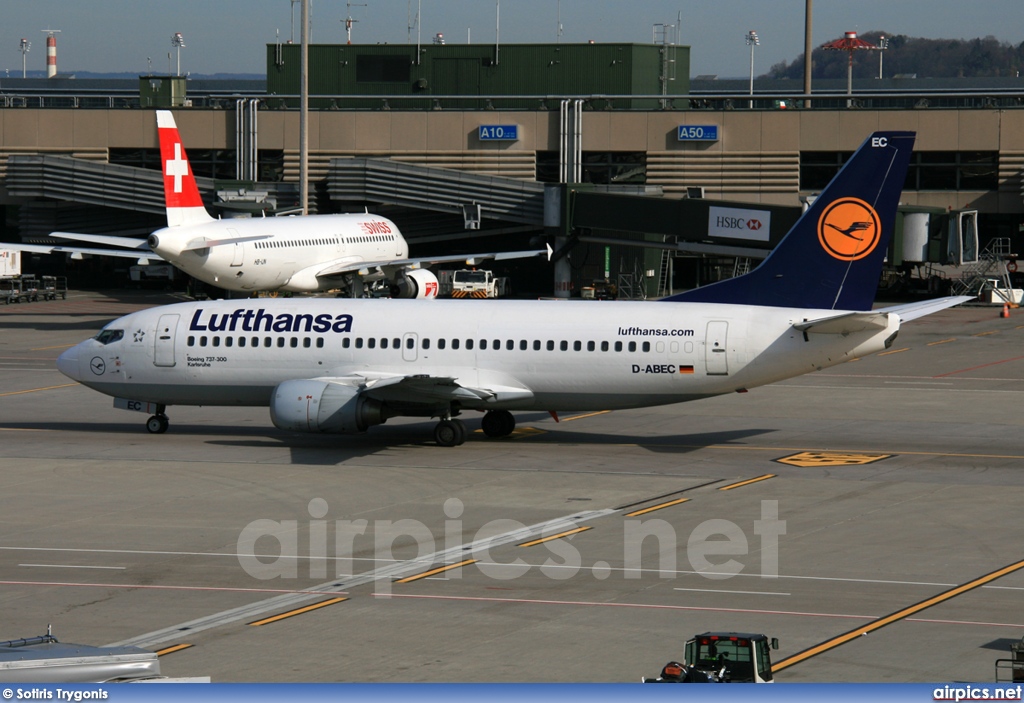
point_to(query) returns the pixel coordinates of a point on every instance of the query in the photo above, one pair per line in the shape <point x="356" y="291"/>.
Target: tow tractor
<point x="722" y="657"/>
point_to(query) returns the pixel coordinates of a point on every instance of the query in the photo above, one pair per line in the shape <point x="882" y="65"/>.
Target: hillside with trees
<point x="927" y="58"/>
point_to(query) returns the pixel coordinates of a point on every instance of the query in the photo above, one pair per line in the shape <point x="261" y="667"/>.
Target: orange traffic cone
<point x="1006" y="310"/>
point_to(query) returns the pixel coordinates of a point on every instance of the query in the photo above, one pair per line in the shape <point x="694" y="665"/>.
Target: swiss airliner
<point x="342" y="366"/>
<point x="301" y="254"/>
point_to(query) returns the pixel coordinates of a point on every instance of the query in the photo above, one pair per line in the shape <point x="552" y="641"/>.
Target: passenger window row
<point x="266" y="342"/>
<point x="410" y="343"/>
<point x="494" y="345"/>
<point x="282" y="243"/>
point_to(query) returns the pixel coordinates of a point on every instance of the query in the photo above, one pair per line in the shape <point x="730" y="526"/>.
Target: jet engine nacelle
<point x="418" y="283"/>
<point x="312" y="405"/>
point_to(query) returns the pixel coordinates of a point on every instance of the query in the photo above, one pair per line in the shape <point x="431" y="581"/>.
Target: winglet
<point x="181" y="195"/>
<point x="832" y="258"/>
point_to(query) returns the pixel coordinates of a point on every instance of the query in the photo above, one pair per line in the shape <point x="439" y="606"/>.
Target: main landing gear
<point x="158" y="424"/>
<point x="498" y="423"/>
<point x="451" y="432"/>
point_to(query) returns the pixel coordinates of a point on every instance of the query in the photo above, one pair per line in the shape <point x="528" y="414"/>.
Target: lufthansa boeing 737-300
<point x="300" y="254"/>
<point x="344" y="365"/>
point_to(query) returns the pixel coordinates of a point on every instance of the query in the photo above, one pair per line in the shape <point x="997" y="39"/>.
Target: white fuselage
<point x="295" y="250"/>
<point x="549" y="355"/>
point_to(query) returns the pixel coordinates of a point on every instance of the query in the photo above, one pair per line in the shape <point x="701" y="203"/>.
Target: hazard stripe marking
<point x="297" y="611"/>
<point x="651" y="509"/>
<point x="896" y="617"/>
<point x="172" y="650"/>
<point x="747" y="482"/>
<point x="553" y="537"/>
<point x="438" y="570"/>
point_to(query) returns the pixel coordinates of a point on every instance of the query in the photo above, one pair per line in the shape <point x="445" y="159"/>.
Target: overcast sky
<point x="229" y="36"/>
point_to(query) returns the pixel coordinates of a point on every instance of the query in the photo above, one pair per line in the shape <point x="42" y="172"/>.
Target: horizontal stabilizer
<point x="912" y="311"/>
<point x="122" y="242"/>
<point x="847" y="323"/>
<point x="79" y="252"/>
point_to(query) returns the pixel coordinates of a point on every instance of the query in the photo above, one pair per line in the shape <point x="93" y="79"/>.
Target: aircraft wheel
<point x="498" y="423"/>
<point x="157" y="424"/>
<point x="450" y="433"/>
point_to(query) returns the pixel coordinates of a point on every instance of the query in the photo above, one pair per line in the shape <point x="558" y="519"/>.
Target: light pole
<point x="849" y="43"/>
<point x="752" y="41"/>
<point x="24" y="47"/>
<point x="883" y="44"/>
<point x="178" y="41"/>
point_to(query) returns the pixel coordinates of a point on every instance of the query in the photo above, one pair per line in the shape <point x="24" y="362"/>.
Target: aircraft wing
<point x="204" y="243"/>
<point x="422" y="389"/>
<point x="78" y="252"/>
<point x="912" y="311"/>
<point x="348" y="266"/>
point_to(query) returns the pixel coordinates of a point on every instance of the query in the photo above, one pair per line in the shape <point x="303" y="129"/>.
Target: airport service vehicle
<point x="342" y="366"/>
<point x="474" y="283"/>
<point x="300" y="254"/>
<point x="11" y="291"/>
<point x="50" y="287"/>
<point x="722" y="657"/>
<point x="10" y="263"/>
<point x="45" y="660"/>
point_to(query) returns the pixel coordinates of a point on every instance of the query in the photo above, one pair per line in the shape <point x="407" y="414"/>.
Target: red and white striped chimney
<point x="51" y="52"/>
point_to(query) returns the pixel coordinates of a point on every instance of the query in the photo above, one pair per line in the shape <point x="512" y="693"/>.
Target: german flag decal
<point x="685" y="369"/>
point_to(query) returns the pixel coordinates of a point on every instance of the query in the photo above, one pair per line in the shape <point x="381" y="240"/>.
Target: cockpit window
<point x="109" y="336"/>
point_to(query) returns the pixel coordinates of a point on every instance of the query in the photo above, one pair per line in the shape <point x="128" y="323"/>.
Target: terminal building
<point x="610" y="151"/>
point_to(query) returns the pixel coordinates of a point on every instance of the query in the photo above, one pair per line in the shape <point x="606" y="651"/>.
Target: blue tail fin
<point x="832" y="258"/>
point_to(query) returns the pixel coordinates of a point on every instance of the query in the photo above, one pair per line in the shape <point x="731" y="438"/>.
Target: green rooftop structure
<point x="513" y="70"/>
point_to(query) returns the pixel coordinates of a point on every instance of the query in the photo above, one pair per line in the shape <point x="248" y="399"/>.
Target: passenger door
<point x="164" y="345"/>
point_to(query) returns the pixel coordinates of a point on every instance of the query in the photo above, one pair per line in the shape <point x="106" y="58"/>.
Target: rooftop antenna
<point x="558" y="28"/>
<point x="349" y="21"/>
<point x="292" y="40"/>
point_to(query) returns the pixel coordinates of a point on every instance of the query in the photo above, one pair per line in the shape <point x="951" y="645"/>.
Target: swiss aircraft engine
<point x="311" y="405"/>
<point x="418" y="283"/>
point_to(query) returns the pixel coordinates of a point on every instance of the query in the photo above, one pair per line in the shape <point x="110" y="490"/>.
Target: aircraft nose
<point x="67" y="363"/>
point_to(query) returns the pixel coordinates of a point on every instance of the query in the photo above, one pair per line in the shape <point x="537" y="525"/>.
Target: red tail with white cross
<point x="184" y="205"/>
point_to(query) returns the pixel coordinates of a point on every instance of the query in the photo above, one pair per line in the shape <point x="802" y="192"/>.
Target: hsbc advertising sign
<point x="734" y="223"/>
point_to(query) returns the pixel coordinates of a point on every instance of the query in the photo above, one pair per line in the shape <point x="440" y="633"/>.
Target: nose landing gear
<point x="158" y="424"/>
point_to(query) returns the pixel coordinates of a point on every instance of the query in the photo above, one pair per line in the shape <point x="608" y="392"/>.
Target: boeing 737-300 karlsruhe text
<point x="342" y="366"/>
<point x="301" y="254"/>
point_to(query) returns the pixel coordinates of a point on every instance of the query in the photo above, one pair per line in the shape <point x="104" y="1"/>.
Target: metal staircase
<point x="991" y="263"/>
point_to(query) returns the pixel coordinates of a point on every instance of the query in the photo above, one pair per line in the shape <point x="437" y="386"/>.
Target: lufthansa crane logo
<point x="849" y="229"/>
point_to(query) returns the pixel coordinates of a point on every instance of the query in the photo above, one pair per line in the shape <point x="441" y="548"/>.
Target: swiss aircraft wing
<point x="204" y="243"/>
<point x="78" y="252"/>
<point x="429" y="390"/>
<point x="391" y="265"/>
<point x="912" y="311"/>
